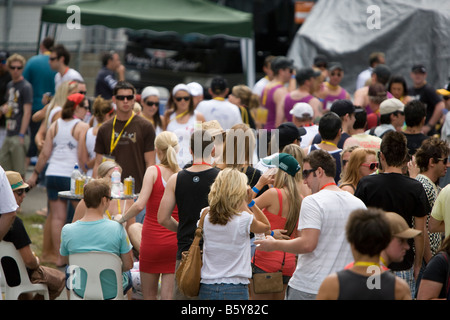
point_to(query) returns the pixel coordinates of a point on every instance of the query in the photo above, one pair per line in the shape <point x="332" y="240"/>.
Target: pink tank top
<point x="289" y="104"/>
<point x="328" y="101"/>
<point x="269" y="104"/>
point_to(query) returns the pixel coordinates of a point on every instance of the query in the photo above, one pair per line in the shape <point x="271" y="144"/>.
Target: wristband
<point x="255" y="190"/>
<point x="271" y="233"/>
<point x="251" y="204"/>
<point x="21" y="135"/>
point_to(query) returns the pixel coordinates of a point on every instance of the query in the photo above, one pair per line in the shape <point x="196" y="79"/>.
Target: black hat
<point x="306" y="74"/>
<point x="342" y="107"/>
<point x="3" y="55"/>
<point x="281" y="62"/>
<point x="320" y="61"/>
<point x="419" y="68"/>
<point x="288" y="132"/>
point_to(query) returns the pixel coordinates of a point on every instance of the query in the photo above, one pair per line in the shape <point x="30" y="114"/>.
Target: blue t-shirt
<point x="100" y="235"/>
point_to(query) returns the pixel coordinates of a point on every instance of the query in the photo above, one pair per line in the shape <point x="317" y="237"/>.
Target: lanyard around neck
<point x="115" y="141"/>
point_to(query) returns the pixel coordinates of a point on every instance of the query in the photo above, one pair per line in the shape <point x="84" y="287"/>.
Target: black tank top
<point x="353" y="286"/>
<point x="191" y="193"/>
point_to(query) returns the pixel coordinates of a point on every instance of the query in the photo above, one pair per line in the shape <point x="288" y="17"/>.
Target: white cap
<point x="301" y="108"/>
<point x="391" y="105"/>
<point x="195" y="88"/>
<point x="179" y="87"/>
<point x="149" y="91"/>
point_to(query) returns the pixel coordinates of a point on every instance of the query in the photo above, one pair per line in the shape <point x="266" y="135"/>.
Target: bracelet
<point x="21" y="135"/>
<point x="251" y="204"/>
<point x="255" y="190"/>
<point x="271" y="233"/>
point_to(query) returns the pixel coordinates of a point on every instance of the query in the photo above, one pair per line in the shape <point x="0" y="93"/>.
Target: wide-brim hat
<point x="16" y="181"/>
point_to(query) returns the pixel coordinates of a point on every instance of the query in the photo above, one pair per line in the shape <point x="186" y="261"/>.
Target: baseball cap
<point x="149" y="91"/>
<point x="16" y="181"/>
<point x="382" y="71"/>
<point x="287" y="163"/>
<point x="320" y="61"/>
<point x="218" y="85"/>
<point x="300" y="109"/>
<point x="196" y="88"/>
<point x="419" y="68"/>
<point x="444" y="91"/>
<point x="288" y="132"/>
<point x="342" y="106"/>
<point x="399" y="226"/>
<point x="306" y="74"/>
<point x="335" y="65"/>
<point x="3" y="56"/>
<point x="180" y="87"/>
<point x="281" y="62"/>
<point x="391" y="105"/>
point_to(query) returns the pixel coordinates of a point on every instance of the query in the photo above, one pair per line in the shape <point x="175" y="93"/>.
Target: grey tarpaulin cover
<point x="348" y="31"/>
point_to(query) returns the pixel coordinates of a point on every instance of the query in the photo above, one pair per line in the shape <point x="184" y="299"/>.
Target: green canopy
<point x="181" y="16"/>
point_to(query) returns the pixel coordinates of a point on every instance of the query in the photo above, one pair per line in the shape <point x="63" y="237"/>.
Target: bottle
<point x="73" y="178"/>
<point x="115" y="182"/>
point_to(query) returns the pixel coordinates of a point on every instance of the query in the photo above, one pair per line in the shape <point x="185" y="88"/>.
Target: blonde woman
<point x="158" y="245"/>
<point x="103" y="110"/>
<point x="116" y="206"/>
<point x="226" y="237"/>
<point x="297" y="152"/>
<point x="281" y="205"/>
<point x="362" y="162"/>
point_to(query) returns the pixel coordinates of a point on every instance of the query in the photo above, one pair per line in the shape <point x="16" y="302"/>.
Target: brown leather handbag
<point x="268" y="282"/>
<point x="188" y="274"/>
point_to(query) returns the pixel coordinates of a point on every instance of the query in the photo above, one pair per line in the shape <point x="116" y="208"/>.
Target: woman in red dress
<point x="157" y="253"/>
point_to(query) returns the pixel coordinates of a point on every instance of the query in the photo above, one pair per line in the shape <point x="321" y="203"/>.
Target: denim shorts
<point x="223" y="291"/>
<point x="56" y="184"/>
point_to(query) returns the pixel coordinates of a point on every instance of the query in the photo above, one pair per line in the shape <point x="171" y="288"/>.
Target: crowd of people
<point x="338" y="186"/>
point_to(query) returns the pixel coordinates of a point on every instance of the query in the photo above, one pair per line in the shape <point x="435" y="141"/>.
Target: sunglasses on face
<point x="82" y="92"/>
<point x="306" y="173"/>
<point x="182" y="98"/>
<point x="444" y="160"/>
<point x="151" y="104"/>
<point x="53" y="58"/>
<point x="121" y="98"/>
<point x="16" y="68"/>
<point x="371" y="166"/>
<point x="108" y="197"/>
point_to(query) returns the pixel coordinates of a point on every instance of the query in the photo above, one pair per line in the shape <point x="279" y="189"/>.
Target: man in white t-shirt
<point x="59" y="61"/>
<point x="218" y="108"/>
<point x="8" y="204"/>
<point x="321" y="242"/>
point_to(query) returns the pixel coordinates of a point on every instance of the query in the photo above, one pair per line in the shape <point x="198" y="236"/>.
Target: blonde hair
<point x="240" y="155"/>
<point x="357" y="157"/>
<point x="62" y="92"/>
<point x="16" y="57"/>
<point x="248" y="98"/>
<point x="101" y="107"/>
<point x="297" y="152"/>
<point x="105" y="167"/>
<point x="167" y="143"/>
<point x="227" y="193"/>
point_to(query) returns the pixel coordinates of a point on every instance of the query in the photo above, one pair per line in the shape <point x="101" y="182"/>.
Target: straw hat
<point x="16" y="181"/>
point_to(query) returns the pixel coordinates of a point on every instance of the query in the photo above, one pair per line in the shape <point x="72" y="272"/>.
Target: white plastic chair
<point x="7" y="249"/>
<point x="94" y="262"/>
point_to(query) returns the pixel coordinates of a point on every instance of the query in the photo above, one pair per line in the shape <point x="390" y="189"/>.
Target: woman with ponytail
<point x="158" y="245"/>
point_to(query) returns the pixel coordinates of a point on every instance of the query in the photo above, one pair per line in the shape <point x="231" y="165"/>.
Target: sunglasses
<point x="19" y="192"/>
<point x="371" y="166"/>
<point x="82" y="92"/>
<point x="121" y="98"/>
<point x="444" y="160"/>
<point x="151" y="104"/>
<point x="53" y="58"/>
<point x="108" y="197"/>
<point x="305" y="173"/>
<point x="183" y="98"/>
<point x="16" y="68"/>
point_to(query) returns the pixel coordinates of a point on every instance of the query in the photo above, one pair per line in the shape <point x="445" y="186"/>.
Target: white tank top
<point x="183" y="131"/>
<point x="65" y="150"/>
<point x="90" y="145"/>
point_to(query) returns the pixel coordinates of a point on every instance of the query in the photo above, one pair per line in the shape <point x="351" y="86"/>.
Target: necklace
<point x="331" y="87"/>
<point x="329" y="143"/>
<point x="365" y="264"/>
<point x="327" y="185"/>
<point x="115" y="141"/>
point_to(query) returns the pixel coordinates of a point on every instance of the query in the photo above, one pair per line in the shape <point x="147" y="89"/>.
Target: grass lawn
<point x="34" y="224"/>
